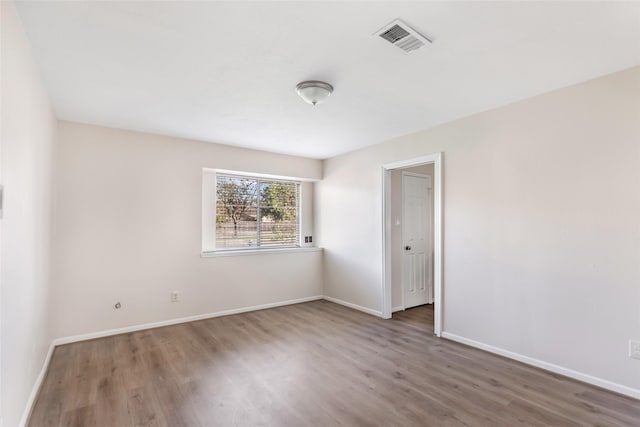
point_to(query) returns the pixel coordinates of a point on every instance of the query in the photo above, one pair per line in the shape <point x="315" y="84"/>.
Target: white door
<point x="417" y="251"/>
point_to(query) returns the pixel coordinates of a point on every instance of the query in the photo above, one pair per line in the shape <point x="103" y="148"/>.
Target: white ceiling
<point x="226" y="72"/>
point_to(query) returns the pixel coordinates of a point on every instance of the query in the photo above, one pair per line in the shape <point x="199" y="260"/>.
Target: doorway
<point x="420" y="245"/>
<point x="414" y="224"/>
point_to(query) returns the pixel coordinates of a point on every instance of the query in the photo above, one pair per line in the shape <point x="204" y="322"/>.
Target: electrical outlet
<point x="634" y="349"/>
<point x="175" y="296"/>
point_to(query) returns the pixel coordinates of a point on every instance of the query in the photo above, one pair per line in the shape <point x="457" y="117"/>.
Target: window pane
<point x="236" y="212"/>
<point x="252" y="212"/>
<point x="279" y="213"/>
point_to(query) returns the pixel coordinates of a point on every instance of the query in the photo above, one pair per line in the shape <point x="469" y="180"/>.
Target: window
<point x="255" y="213"/>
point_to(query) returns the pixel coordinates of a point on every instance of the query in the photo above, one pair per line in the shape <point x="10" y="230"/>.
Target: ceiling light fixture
<point x="314" y="91"/>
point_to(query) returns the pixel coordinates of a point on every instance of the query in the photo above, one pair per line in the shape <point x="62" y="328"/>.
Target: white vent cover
<point x="403" y="36"/>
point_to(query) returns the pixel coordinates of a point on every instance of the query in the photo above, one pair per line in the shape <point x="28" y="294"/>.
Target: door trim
<point x="436" y="160"/>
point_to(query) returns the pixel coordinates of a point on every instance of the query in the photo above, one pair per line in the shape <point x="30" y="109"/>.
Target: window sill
<point x="242" y="252"/>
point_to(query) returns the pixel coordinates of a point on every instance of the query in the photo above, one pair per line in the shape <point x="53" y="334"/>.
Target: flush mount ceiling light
<point x="314" y="91"/>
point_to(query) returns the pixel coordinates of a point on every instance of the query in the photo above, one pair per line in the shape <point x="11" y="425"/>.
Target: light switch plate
<point x="634" y="349"/>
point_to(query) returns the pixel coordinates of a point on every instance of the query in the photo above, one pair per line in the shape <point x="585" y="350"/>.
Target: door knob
<point x="407" y="248"/>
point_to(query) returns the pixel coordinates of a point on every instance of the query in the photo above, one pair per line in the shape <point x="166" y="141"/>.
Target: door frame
<point x="430" y="178"/>
<point x="436" y="160"/>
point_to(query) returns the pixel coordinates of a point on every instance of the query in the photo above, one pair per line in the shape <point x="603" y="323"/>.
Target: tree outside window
<point x="254" y="212"/>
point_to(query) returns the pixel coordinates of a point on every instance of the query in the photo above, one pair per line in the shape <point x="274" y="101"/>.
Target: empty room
<point x="319" y="213"/>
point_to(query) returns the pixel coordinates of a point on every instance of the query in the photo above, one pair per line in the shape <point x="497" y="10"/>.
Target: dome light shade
<point x="314" y="91"/>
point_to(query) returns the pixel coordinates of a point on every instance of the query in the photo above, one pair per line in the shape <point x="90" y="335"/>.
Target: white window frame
<point x="209" y="212"/>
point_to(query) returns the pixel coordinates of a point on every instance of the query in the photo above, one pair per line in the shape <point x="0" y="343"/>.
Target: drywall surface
<point x="541" y="230"/>
<point x="128" y="229"/>
<point x="28" y="142"/>
<point x="397" y="247"/>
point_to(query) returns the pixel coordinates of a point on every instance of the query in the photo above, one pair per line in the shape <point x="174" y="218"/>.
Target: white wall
<point x="397" y="247"/>
<point x="128" y="229"/>
<point x="28" y="141"/>
<point x="541" y="225"/>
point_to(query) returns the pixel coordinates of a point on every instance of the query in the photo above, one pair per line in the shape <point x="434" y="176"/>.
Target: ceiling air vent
<point x="403" y="36"/>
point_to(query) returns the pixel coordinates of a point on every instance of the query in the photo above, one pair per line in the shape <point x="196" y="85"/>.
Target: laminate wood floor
<point x="316" y="364"/>
<point x="419" y="317"/>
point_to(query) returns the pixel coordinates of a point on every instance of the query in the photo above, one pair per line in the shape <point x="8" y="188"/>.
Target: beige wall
<point x="541" y="236"/>
<point x="396" y="229"/>
<point x="27" y="144"/>
<point x="128" y="229"/>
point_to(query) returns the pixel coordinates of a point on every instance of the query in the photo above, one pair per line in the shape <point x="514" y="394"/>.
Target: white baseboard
<point x="36" y="387"/>
<point x="354" y="306"/>
<point x="398" y="308"/>
<point x="609" y="385"/>
<point x="127" y="329"/>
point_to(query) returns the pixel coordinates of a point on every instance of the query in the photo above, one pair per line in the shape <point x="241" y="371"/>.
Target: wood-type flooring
<point x="311" y="364"/>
